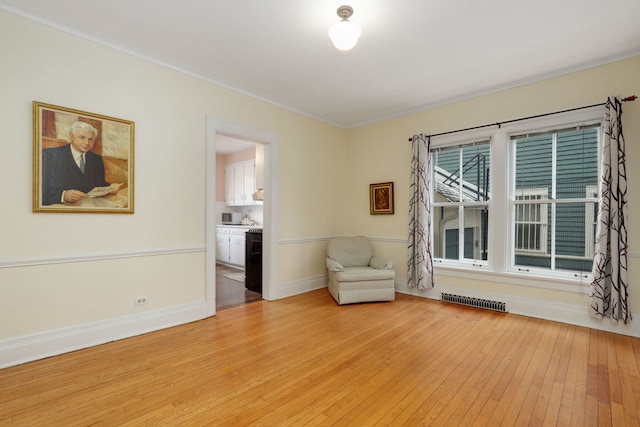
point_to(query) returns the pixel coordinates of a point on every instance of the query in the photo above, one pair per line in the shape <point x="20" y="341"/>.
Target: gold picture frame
<point x="82" y="162"/>
<point x="381" y="198"/>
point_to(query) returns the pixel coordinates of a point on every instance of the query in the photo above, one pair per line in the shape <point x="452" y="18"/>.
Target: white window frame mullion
<point x="460" y="208"/>
<point x="554" y="169"/>
<point x="510" y="244"/>
<point x="590" y="219"/>
<point x="460" y="232"/>
<point x="460" y="177"/>
<point x="553" y="236"/>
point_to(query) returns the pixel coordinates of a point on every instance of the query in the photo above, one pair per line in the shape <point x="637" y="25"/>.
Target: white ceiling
<point x="412" y="54"/>
<point x="226" y="144"/>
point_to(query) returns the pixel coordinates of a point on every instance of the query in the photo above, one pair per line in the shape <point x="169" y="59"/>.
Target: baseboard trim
<point x="297" y="287"/>
<point x="540" y="309"/>
<point x="15" y="351"/>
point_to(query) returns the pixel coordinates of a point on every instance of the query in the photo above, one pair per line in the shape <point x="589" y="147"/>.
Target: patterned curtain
<point x="610" y="288"/>
<point x="420" y="264"/>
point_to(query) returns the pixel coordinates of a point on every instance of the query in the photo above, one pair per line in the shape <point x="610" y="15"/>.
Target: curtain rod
<point x="628" y="98"/>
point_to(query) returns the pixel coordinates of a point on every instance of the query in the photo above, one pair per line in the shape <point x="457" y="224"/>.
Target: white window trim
<point x="553" y="202"/>
<point x="500" y="256"/>
<point x="459" y="205"/>
<point x="589" y="221"/>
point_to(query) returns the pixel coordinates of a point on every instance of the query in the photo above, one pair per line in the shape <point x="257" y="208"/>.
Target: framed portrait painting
<point x="381" y="198"/>
<point x="82" y="162"/>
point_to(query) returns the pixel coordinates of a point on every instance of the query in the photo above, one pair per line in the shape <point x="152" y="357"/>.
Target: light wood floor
<point x="306" y="361"/>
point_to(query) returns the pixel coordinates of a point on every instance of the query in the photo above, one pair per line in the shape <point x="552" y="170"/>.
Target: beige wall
<point x="381" y="152"/>
<point x="61" y="270"/>
<point x="240" y="156"/>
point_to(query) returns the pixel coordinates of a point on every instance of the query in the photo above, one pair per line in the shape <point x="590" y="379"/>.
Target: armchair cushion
<point x="379" y="264"/>
<point x="355" y="275"/>
<point x="350" y="251"/>
<point x="358" y="274"/>
<point x="334" y="265"/>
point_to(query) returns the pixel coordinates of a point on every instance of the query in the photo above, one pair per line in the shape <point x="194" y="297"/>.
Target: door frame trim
<point x="216" y="126"/>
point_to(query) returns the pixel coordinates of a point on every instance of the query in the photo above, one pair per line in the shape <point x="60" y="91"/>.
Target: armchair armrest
<point x="334" y="265"/>
<point x="379" y="264"/>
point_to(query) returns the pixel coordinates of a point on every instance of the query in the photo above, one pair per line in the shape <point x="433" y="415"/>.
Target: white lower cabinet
<point x="230" y="243"/>
<point x="222" y="244"/>
<point x="236" y="246"/>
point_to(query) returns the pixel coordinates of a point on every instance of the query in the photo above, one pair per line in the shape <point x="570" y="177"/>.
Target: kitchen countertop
<point x="238" y="226"/>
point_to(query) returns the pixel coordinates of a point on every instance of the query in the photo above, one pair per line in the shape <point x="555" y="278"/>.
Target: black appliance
<point x="253" y="260"/>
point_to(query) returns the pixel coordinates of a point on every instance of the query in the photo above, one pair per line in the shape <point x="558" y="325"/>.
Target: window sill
<point x="578" y="285"/>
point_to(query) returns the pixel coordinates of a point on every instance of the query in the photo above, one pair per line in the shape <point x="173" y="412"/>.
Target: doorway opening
<point x="231" y="289"/>
<point x="239" y="217"/>
<point x="219" y="133"/>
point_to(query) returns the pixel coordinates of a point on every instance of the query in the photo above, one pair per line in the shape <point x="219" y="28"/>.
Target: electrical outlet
<point x="142" y="300"/>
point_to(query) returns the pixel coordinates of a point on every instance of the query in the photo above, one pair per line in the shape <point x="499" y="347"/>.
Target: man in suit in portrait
<point x="71" y="171"/>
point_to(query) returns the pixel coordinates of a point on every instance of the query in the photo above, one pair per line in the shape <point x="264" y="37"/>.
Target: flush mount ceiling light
<point x="345" y="34"/>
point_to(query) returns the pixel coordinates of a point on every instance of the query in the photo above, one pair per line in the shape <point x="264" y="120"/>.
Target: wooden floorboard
<point x="305" y="360"/>
<point x="231" y="293"/>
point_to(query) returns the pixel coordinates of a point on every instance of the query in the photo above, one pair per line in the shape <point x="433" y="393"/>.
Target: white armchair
<point x="355" y="275"/>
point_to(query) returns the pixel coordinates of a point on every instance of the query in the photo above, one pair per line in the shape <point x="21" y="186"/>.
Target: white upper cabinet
<point x="240" y="183"/>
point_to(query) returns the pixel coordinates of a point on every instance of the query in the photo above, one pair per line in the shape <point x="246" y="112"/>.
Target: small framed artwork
<point x="82" y="162"/>
<point x="381" y="198"/>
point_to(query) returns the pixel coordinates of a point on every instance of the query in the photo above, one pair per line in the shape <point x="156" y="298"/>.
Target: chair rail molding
<point x="30" y="262"/>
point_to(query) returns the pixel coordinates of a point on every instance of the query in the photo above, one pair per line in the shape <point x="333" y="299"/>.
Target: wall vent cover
<point x="475" y="302"/>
